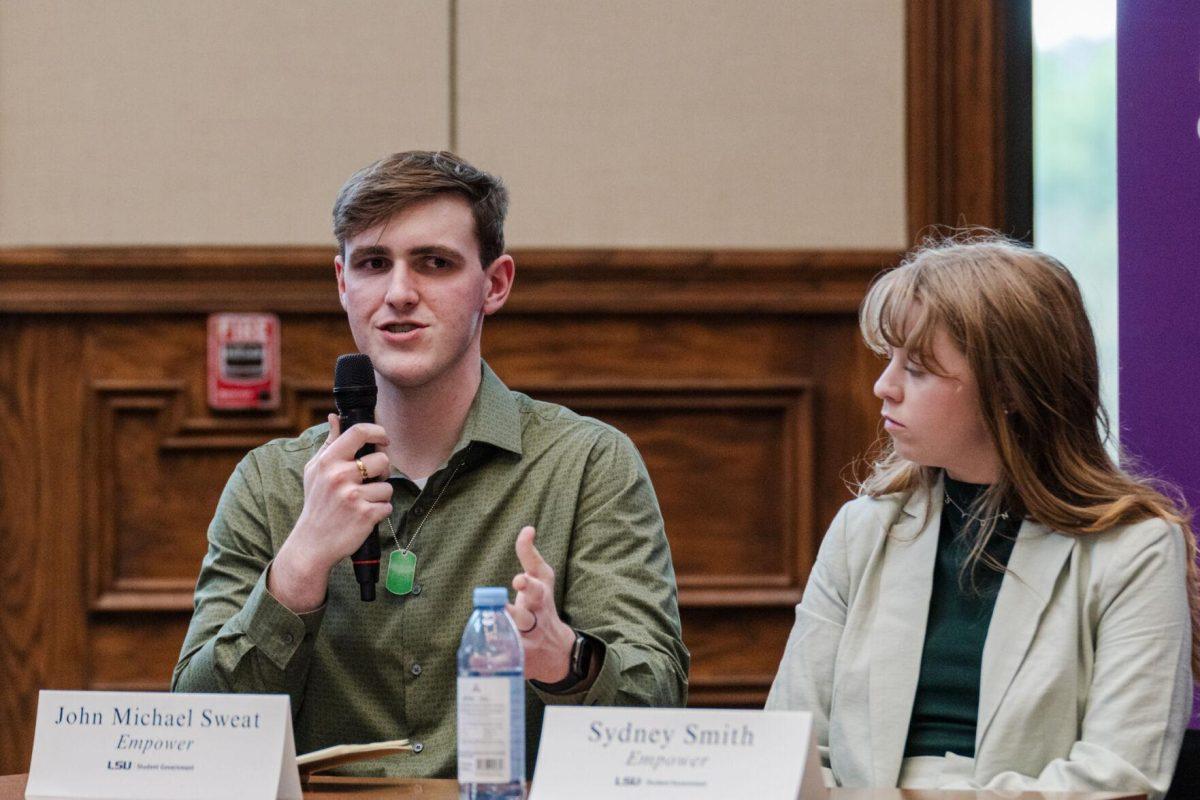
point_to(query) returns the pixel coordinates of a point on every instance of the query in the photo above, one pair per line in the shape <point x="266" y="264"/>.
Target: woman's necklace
<point x="967" y="515"/>
<point x="402" y="563"/>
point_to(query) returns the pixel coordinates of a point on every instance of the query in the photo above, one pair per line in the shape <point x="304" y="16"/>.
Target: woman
<point x="1002" y="607"/>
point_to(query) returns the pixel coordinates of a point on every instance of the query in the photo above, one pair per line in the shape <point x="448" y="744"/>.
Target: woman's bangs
<point x="919" y="339"/>
<point x="894" y="316"/>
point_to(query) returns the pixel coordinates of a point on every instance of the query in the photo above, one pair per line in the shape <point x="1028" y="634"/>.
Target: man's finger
<point x="531" y="560"/>
<point x="520" y="584"/>
<point x="531" y="592"/>
<point x="377" y="464"/>
<point x="523" y="618"/>
<point x="379" y="492"/>
<point x="335" y="430"/>
<point x="349" y="442"/>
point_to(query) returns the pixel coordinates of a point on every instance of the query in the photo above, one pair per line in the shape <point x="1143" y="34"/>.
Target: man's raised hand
<point x="546" y="638"/>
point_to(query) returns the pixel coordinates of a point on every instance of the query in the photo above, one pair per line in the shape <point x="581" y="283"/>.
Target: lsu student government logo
<point x="120" y="765"/>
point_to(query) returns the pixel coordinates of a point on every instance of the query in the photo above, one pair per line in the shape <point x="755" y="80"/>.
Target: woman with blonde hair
<point x="1002" y="606"/>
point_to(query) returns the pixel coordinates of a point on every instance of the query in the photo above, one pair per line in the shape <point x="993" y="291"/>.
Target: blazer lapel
<point x="1036" y="562"/>
<point x="898" y="630"/>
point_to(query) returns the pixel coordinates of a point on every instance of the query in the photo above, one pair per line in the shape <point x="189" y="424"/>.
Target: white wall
<point x="623" y="123"/>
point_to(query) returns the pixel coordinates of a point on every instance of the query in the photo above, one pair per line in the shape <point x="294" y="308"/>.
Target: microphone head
<point x="353" y="370"/>
<point x="354" y="383"/>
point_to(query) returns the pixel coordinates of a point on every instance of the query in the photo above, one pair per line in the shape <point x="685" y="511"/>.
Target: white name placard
<point x="591" y="753"/>
<point x="143" y="745"/>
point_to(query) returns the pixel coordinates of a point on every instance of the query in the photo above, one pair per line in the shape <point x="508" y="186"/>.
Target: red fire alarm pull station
<point x="243" y="361"/>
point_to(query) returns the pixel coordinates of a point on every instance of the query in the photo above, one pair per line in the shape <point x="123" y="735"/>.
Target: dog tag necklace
<point x="402" y="563"/>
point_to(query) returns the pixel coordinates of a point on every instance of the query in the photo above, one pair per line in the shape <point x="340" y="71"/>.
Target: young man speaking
<point x="484" y="486"/>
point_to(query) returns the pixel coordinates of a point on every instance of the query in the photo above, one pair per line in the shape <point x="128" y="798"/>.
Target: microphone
<point x="354" y="395"/>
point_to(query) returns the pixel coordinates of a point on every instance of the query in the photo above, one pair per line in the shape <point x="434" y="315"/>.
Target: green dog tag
<point x="402" y="570"/>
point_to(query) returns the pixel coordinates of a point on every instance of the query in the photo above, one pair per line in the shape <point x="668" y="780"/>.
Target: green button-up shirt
<point x="363" y="672"/>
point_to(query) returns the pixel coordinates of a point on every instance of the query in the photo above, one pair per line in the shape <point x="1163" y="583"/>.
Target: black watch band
<point x="577" y="666"/>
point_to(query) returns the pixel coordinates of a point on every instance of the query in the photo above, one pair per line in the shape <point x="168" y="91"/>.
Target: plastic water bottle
<point x="491" y="702"/>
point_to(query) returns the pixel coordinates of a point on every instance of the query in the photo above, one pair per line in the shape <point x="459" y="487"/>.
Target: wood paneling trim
<point x="300" y="280"/>
<point x="126" y="595"/>
<point x="748" y="691"/>
<point x="129" y="686"/>
<point x="969" y="137"/>
<point x="742" y="597"/>
<point x="100" y="491"/>
<point x="793" y="400"/>
<point x="110" y="592"/>
<point x="700" y="393"/>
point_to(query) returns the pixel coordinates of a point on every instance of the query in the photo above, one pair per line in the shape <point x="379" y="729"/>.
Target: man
<point x="474" y="472"/>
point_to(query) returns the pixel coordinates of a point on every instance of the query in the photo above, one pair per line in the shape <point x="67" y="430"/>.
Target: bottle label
<point x="491" y="729"/>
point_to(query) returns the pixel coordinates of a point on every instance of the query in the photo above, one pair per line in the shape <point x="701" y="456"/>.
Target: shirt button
<point x="288" y="638"/>
<point x="416" y="589"/>
<point x="416" y="669"/>
<point x="418" y="510"/>
<point x="418" y="747"/>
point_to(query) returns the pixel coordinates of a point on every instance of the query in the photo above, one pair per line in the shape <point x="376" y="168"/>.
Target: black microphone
<point x="354" y="395"/>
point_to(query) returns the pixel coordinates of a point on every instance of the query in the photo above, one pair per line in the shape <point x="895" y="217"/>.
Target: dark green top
<point x="364" y="672"/>
<point x="946" y="705"/>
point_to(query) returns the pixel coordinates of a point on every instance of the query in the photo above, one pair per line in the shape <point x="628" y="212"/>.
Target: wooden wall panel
<point x="159" y="466"/>
<point x="970" y="119"/>
<point x="732" y="467"/>
<point x="42" y="529"/>
<point x="133" y="651"/>
<point x="735" y="652"/>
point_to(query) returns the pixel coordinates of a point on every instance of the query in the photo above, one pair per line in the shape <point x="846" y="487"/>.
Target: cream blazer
<point x="1086" y="682"/>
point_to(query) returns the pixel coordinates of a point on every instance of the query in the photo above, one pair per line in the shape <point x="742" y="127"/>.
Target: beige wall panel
<point x="700" y="123"/>
<point x="216" y="122"/>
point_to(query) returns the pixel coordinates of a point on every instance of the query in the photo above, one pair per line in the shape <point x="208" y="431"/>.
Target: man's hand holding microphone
<point x="342" y="506"/>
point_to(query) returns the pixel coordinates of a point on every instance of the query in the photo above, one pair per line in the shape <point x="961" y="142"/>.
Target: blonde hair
<point x="1018" y="317"/>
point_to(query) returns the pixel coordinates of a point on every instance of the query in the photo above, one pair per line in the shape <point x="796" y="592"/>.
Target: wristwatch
<point x="578" y="665"/>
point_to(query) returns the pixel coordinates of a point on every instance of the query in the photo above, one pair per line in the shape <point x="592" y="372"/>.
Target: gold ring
<point x="362" y="469"/>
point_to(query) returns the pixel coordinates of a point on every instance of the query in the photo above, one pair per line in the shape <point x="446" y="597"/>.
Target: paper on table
<point x="339" y="754"/>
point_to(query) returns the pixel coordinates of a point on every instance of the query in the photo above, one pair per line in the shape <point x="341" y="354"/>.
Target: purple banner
<point x="1158" y="200"/>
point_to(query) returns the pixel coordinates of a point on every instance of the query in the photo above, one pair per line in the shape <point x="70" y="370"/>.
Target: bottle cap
<point x="490" y="596"/>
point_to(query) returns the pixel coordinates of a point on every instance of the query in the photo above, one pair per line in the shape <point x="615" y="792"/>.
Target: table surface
<point x="12" y="787"/>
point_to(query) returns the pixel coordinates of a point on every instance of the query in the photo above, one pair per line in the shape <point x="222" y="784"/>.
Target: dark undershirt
<point x="946" y="705"/>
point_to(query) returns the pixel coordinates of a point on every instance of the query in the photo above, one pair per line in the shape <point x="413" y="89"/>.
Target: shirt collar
<point x="494" y="417"/>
